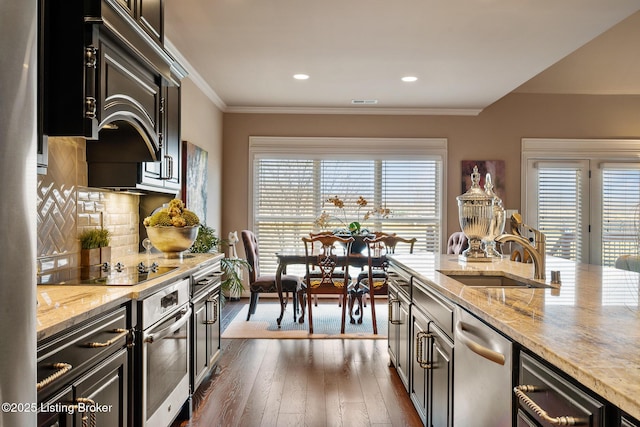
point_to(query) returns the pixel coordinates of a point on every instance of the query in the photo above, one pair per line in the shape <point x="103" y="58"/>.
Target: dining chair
<point x="266" y="283"/>
<point x="375" y="280"/>
<point x="326" y="272"/>
<point x="457" y="243"/>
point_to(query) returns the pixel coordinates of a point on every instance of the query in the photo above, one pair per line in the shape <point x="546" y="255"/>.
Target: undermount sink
<point x="492" y="280"/>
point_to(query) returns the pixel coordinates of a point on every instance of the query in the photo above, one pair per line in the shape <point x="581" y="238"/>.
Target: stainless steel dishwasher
<point x="483" y="379"/>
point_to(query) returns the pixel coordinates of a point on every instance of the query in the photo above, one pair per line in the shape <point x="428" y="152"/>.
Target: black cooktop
<point x="104" y="275"/>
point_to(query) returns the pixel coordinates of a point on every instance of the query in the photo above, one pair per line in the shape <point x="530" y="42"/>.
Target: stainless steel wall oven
<point x="165" y="319"/>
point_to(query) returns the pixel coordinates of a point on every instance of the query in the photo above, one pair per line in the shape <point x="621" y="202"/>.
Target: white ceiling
<point x="466" y="53"/>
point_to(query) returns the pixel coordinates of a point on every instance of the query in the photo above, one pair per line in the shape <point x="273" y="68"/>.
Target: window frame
<point x="597" y="152"/>
<point x="346" y="148"/>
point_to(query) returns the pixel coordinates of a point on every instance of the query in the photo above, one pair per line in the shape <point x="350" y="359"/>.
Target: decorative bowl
<point x="172" y="241"/>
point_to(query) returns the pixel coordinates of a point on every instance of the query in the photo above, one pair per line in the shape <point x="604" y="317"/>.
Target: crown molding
<point x="195" y="76"/>
<point x="358" y="110"/>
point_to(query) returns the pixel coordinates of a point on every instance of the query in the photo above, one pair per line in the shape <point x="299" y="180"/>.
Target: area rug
<point x="326" y="323"/>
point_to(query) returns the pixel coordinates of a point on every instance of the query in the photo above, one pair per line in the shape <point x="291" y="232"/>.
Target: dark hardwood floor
<point x="323" y="382"/>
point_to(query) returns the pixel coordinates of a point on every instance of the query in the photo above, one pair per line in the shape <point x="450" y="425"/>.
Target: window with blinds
<point x="585" y="196"/>
<point x="560" y="207"/>
<point x="620" y="210"/>
<point x="291" y="190"/>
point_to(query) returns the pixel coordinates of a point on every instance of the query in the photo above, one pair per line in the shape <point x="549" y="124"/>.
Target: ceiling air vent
<point x="364" y="101"/>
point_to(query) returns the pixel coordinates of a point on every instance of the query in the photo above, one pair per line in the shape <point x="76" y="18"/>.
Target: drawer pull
<point x="419" y="349"/>
<point x="62" y="368"/>
<point x="87" y="420"/>
<point x="121" y="333"/>
<point x="520" y="391"/>
<point x="391" y="319"/>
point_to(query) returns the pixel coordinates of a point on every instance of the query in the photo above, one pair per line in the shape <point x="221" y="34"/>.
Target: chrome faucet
<point x="537" y="250"/>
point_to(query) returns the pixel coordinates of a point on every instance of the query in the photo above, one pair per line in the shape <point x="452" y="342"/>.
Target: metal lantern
<point x="475" y="212"/>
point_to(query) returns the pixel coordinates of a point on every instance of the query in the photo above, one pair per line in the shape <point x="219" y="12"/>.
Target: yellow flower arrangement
<point x="354" y="227"/>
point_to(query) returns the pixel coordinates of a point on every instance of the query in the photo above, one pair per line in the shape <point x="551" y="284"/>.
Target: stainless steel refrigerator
<point x="18" y="198"/>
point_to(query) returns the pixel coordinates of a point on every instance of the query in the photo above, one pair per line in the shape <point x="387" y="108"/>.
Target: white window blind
<point x="620" y="204"/>
<point x="560" y="207"/>
<point x="291" y="186"/>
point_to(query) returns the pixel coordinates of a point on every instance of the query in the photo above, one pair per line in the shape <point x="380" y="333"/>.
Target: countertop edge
<point x="64" y="306"/>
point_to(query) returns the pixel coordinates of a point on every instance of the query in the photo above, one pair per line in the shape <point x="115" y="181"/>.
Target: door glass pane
<point x="620" y="211"/>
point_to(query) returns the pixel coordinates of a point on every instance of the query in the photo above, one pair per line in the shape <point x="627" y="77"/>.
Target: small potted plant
<point x="94" y="246"/>
<point x="207" y="241"/>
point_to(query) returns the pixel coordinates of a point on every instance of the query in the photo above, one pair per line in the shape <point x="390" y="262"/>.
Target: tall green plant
<point x="207" y="241"/>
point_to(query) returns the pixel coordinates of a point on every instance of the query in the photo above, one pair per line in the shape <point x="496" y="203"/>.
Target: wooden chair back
<point x="326" y="271"/>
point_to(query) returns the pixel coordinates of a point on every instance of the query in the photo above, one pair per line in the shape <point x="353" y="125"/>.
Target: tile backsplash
<point x="66" y="207"/>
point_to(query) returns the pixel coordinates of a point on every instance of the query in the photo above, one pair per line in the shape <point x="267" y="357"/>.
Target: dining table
<point x="298" y="257"/>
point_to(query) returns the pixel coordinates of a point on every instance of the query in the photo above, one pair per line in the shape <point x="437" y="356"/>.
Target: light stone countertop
<point x="589" y="327"/>
<point x="63" y="306"/>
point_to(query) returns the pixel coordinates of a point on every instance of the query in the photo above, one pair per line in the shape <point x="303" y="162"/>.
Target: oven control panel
<point x="164" y="302"/>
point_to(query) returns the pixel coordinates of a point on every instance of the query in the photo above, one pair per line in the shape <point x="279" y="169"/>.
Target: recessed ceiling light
<point x="409" y="79"/>
<point x="301" y="76"/>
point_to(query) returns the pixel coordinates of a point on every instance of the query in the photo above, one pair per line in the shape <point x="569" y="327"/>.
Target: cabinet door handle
<point x="62" y="368"/>
<point x="520" y="391"/>
<point x="424" y="364"/>
<point x="87" y="420"/>
<point x="215" y="312"/>
<point x="169" y="162"/>
<point x="480" y="350"/>
<point x="90" y="107"/>
<point x="391" y="319"/>
<point x="121" y="333"/>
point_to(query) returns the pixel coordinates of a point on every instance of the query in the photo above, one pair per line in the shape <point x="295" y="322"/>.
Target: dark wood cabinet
<point x="52" y="413"/>
<point x="206" y="335"/>
<point x="166" y="172"/>
<point x="554" y="395"/>
<point x="104" y="392"/>
<point x="399" y="330"/>
<point x="85" y="371"/>
<point x="431" y="385"/>
<point x="150" y="17"/>
<point x="149" y="14"/>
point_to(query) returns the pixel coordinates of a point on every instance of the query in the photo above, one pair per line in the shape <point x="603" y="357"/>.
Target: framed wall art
<point x="495" y="167"/>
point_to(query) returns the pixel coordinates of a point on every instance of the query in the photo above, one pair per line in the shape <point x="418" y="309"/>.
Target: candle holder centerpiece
<point x="475" y="212"/>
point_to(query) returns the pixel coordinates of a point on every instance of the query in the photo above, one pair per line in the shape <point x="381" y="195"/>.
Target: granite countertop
<point x="62" y="306"/>
<point x="589" y="327"/>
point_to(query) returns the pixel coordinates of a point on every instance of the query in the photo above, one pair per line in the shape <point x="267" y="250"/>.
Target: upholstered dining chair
<point x="266" y="283"/>
<point x="326" y="272"/>
<point x="457" y="243"/>
<point x="376" y="278"/>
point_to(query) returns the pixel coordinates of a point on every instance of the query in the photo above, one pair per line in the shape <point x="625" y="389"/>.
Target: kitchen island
<point x="589" y="327"/>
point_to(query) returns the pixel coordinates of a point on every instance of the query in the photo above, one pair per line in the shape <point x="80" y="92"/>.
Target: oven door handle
<point x="150" y="338"/>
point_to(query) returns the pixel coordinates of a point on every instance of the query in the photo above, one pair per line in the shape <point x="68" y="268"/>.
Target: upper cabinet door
<point x="150" y="18"/>
<point x="129" y="5"/>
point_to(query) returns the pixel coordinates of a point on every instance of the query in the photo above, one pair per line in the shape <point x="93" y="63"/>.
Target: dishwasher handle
<point x="480" y="350"/>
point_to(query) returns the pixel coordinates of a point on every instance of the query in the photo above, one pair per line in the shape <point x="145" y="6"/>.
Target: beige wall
<point x="495" y="134"/>
<point x="201" y="124"/>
